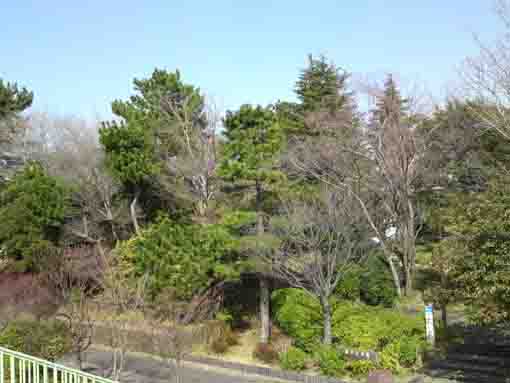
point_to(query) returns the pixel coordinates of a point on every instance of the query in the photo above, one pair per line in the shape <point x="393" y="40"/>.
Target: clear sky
<point x="78" y="56"/>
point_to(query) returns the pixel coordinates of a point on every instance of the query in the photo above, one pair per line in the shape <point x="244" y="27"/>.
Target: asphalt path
<point x="141" y="368"/>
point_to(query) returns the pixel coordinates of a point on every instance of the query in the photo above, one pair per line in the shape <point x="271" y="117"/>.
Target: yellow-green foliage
<point x="294" y="359"/>
<point x="389" y="357"/>
<point x="371" y="328"/>
<point x="355" y="326"/>
<point x="299" y="316"/>
<point x="330" y="360"/>
<point x="360" y="367"/>
<point x="47" y="340"/>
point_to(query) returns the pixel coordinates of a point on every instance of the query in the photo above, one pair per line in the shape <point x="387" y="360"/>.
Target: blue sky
<point x="78" y="56"/>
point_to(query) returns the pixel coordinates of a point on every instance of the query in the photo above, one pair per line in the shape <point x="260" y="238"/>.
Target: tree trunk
<point x="394" y="273"/>
<point x="409" y="248"/>
<point x="79" y="359"/>
<point x="85" y="224"/>
<point x="444" y="317"/>
<point x="408" y="287"/>
<point x="133" y="212"/>
<point x="265" y="320"/>
<point x="326" y="312"/>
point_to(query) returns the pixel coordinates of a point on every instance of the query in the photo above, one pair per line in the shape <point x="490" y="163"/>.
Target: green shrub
<point x="376" y="283"/>
<point x="360" y="367"/>
<point x="294" y="359"/>
<point x="349" y="287"/>
<point x="371" y="328"/>
<point x="265" y="352"/>
<point x="330" y="360"/>
<point x="44" y="339"/>
<point x="389" y="357"/>
<point x="182" y="257"/>
<point x="33" y="208"/>
<point x="355" y="326"/>
<point x="409" y="350"/>
<point x="299" y="316"/>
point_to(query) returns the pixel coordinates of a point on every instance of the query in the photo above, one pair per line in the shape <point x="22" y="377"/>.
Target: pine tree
<point x="147" y="136"/>
<point x="147" y="108"/>
<point x="13" y="100"/>
<point x="33" y="208"/>
<point x="390" y="105"/>
<point x="326" y="105"/>
<point x="322" y="85"/>
<point x="254" y="138"/>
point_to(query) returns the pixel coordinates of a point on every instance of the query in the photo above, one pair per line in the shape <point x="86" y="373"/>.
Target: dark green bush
<point x="376" y="283"/>
<point x="294" y="359"/>
<point x="265" y="352"/>
<point x="182" y="257"/>
<point x="33" y="208"/>
<point x="349" y="287"/>
<point x="44" y="339"/>
<point x="330" y="360"/>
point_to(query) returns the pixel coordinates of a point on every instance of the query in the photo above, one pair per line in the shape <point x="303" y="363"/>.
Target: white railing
<point x="16" y="367"/>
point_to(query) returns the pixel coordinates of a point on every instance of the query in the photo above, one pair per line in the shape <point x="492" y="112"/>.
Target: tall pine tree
<point x="326" y="104"/>
<point x="147" y="108"/>
<point x="322" y="85"/>
<point x="13" y="100"/>
<point x="391" y="104"/>
<point x="254" y="139"/>
<point x="147" y="135"/>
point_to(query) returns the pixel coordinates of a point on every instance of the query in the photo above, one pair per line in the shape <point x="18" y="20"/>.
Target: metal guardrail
<point x="16" y="367"/>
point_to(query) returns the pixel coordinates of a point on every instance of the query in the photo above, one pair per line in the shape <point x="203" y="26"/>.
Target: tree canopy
<point x="33" y="208"/>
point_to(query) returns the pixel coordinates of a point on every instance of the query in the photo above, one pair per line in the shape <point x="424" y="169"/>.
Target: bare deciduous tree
<point x="381" y="168"/>
<point x="123" y="298"/>
<point x="69" y="148"/>
<point x="171" y="341"/>
<point x="487" y="77"/>
<point x="196" y="161"/>
<point x="321" y="240"/>
<point x="74" y="299"/>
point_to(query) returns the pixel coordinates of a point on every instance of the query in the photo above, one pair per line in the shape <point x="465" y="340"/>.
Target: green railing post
<point x="13" y="372"/>
<point x="1" y="366"/>
<point x="28" y="369"/>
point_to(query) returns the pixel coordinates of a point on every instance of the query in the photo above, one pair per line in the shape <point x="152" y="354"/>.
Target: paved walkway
<point x="141" y="368"/>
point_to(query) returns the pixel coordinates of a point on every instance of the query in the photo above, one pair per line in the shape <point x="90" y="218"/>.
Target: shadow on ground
<point x="475" y="354"/>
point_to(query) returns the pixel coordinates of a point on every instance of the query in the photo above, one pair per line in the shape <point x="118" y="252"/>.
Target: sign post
<point x="429" y="324"/>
